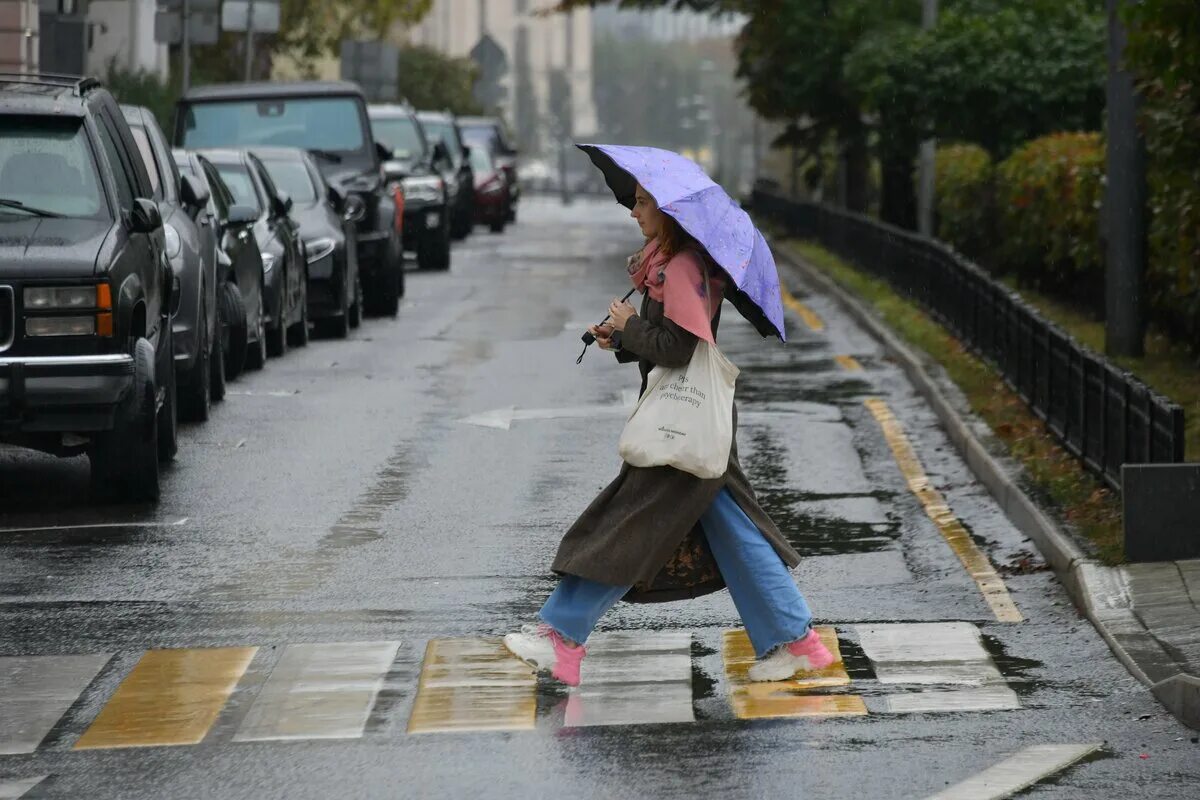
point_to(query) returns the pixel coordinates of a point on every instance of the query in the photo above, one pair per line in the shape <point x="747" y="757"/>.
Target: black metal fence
<point x="1101" y="413"/>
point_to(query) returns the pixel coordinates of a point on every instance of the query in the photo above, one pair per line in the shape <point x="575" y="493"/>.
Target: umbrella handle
<point x="588" y="339"/>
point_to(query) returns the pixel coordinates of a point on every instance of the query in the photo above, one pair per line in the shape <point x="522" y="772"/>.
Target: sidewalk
<point x="1149" y="614"/>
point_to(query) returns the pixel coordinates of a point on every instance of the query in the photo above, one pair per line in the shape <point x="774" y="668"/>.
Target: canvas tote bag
<point x="684" y="419"/>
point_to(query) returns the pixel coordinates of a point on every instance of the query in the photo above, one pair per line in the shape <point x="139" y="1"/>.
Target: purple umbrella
<point x="711" y="216"/>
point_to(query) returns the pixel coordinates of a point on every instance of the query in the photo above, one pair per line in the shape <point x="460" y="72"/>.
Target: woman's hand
<point x="620" y="312"/>
<point x="603" y="334"/>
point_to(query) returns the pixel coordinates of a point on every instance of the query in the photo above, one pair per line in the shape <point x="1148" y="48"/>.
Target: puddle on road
<point x="1017" y="671"/>
<point x="751" y="391"/>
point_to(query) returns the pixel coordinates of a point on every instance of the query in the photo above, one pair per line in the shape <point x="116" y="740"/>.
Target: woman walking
<point x="658" y="533"/>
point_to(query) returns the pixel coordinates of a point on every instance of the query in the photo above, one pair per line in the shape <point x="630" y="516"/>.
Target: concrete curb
<point x="1097" y="591"/>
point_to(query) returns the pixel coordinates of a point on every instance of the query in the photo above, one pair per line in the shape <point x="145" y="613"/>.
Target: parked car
<point x="329" y="119"/>
<point x="330" y="241"/>
<point x="491" y="133"/>
<point x="193" y="255"/>
<point x="491" y="190"/>
<point x="86" y="357"/>
<point x="240" y="268"/>
<point x="411" y="164"/>
<point x="285" y="283"/>
<point x="455" y="169"/>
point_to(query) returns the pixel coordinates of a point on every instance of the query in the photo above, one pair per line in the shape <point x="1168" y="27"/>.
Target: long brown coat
<point x="643" y="529"/>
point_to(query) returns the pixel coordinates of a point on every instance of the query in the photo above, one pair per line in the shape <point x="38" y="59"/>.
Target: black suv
<point x="86" y="362"/>
<point x="329" y="120"/>
<point x="412" y="163"/>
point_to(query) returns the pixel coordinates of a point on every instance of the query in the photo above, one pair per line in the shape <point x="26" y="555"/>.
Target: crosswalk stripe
<point x="171" y="697"/>
<point x="786" y="698"/>
<point x="319" y="691"/>
<point x="35" y="691"/>
<point x="634" y="677"/>
<point x="991" y="585"/>
<point x="473" y="684"/>
<point x="936" y="653"/>
<point x="1019" y="771"/>
<point x="15" y="789"/>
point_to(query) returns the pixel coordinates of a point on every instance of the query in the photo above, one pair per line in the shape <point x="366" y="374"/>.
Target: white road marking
<point x="632" y="678"/>
<point x="975" y="698"/>
<point x="88" y="525"/>
<point x="1019" y="771"/>
<point x="12" y="790"/>
<point x="503" y="418"/>
<point x="35" y="691"/>
<point x="319" y="691"/>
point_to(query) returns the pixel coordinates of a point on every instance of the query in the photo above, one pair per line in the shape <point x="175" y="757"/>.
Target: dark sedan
<point x="491" y="134"/>
<point x="278" y="236"/>
<point x="330" y="244"/>
<point x="239" y="265"/>
<point x="194" y="264"/>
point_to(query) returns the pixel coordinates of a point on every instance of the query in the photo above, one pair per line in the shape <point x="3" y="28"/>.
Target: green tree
<point x="431" y="80"/>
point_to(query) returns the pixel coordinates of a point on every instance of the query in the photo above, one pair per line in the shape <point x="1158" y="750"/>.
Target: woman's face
<point x="646" y="212"/>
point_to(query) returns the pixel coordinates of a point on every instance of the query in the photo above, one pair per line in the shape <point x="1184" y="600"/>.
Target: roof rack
<point x="78" y="83"/>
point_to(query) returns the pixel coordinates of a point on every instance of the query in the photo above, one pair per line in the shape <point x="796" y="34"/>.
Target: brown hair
<point x="672" y="238"/>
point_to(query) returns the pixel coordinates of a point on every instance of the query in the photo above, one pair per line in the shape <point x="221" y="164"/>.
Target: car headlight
<point x="319" y="248"/>
<point x="47" y="298"/>
<point x="268" y="261"/>
<point x="427" y="189"/>
<point x="174" y="245"/>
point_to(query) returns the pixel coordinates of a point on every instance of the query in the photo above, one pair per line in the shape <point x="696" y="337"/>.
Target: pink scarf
<point x="678" y="283"/>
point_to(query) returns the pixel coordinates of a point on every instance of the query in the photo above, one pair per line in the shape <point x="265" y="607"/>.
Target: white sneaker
<point x="542" y="648"/>
<point x="808" y="654"/>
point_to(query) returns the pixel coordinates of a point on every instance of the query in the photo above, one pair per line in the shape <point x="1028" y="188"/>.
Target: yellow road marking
<point x="990" y="584"/>
<point x="171" y="697"/>
<point x="805" y="313"/>
<point x="473" y="685"/>
<point x="786" y="698"/>
<point x="848" y="363"/>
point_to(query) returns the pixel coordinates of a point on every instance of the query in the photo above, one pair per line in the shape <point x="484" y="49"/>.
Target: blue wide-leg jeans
<point x="766" y="597"/>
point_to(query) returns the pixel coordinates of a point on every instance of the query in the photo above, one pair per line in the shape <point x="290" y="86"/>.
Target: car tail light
<point x="398" y="193"/>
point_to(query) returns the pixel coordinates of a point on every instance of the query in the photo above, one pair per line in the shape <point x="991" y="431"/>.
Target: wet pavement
<point x="313" y="609"/>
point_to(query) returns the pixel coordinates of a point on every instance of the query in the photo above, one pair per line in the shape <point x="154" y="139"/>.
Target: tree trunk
<point x="898" y="200"/>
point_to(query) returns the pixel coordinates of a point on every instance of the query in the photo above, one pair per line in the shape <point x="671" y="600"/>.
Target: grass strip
<point x="1054" y="477"/>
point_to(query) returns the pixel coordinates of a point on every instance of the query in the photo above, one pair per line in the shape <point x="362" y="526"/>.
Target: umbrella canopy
<point x="709" y="214"/>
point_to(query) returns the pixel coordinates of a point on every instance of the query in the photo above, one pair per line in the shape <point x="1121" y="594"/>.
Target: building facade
<point x="18" y="36"/>
<point x="546" y="72"/>
<point x="122" y="33"/>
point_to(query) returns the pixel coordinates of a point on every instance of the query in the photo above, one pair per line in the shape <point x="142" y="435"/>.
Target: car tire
<point x="354" y="314"/>
<point x="216" y="369"/>
<point x="168" y="419"/>
<point x="297" y="333"/>
<point x="256" y="354"/>
<point x="124" y="460"/>
<point x="338" y="327"/>
<point x="277" y="340"/>
<point x="233" y="318"/>
<point x="497" y="225"/>
<point x="195" y="401"/>
<point x="433" y="252"/>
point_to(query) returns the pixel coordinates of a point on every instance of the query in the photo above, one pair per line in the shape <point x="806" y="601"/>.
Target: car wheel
<point x="233" y="319"/>
<point x="124" y="460"/>
<point x="195" y="401"/>
<point x="277" y="340"/>
<point x="168" y="417"/>
<point x="298" y="332"/>
<point x="433" y="251"/>
<point x="339" y="327"/>
<point x="497" y="225"/>
<point x="256" y="356"/>
<point x="217" y="370"/>
<point x="354" y="315"/>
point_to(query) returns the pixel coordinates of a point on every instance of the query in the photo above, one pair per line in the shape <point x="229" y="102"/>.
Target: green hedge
<point x="1048" y="199"/>
<point x="966" y="200"/>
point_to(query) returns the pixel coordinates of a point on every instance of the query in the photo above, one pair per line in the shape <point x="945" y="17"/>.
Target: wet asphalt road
<point x="405" y="490"/>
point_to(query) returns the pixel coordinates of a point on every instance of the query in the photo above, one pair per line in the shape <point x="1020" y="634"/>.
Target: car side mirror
<point x="241" y="215"/>
<point x="355" y="209"/>
<point x="336" y="197"/>
<point x="144" y="217"/>
<point x="193" y="193"/>
<point x="440" y="153"/>
<point x="466" y="152"/>
<point x="283" y="203"/>
<point x="383" y="151"/>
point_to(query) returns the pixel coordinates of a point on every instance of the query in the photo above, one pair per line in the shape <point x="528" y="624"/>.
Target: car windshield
<point x="445" y="132"/>
<point x="333" y="124"/>
<point x="240" y="184"/>
<point x="400" y="135"/>
<point x="46" y="164"/>
<point x="292" y="177"/>
<point x="481" y="160"/>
